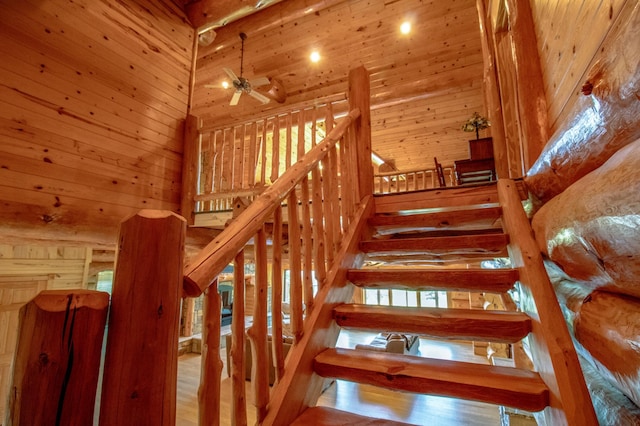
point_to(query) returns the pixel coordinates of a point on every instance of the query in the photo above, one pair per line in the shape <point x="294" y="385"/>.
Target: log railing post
<point x="141" y="365"/>
<point x="237" y="349"/>
<point x="57" y="359"/>
<point x="211" y="368"/>
<point x="257" y="333"/>
<point x="188" y="315"/>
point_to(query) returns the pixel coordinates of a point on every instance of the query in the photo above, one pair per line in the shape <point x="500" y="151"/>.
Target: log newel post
<point x="57" y="358"/>
<point x="141" y="359"/>
<point x="211" y="368"/>
<point x="359" y="97"/>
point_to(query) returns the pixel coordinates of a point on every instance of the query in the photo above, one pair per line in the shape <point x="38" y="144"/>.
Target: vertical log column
<point x="140" y="372"/>
<point x="492" y="95"/>
<point x="359" y="97"/>
<point x="55" y="373"/>
<point x="532" y="103"/>
<point x="190" y="167"/>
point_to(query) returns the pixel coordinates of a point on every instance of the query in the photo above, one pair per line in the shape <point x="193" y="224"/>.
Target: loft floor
<point x="361" y="399"/>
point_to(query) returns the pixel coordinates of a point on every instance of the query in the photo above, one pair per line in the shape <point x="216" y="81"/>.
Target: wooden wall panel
<point x="569" y="33"/>
<point x="92" y="103"/>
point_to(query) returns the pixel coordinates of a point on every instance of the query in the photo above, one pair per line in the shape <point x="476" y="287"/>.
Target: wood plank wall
<point x="92" y="100"/>
<point x="569" y="33"/>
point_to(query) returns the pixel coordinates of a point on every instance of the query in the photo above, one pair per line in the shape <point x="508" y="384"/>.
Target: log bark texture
<point x="57" y="360"/>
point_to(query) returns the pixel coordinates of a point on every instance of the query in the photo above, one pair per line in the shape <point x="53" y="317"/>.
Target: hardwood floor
<point x="362" y="399"/>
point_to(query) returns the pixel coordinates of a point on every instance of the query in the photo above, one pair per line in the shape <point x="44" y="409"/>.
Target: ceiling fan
<point x="243" y="85"/>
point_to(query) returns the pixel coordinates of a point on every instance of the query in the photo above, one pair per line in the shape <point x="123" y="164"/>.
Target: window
<point x="410" y="298"/>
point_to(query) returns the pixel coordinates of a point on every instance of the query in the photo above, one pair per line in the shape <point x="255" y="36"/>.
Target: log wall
<point x="92" y="101"/>
<point x="587" y="179"/>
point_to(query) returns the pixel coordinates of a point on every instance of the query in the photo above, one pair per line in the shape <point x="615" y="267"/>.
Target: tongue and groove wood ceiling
<point x="424" y="85"/>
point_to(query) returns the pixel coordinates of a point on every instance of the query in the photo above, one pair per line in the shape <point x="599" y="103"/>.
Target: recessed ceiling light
<point x="225" y="84"/>
<point x="405" y="28"/>
<point x="315" y="56"/>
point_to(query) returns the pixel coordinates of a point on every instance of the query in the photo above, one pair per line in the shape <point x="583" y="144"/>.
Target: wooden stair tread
<point x="506" y="386"/>
<point x="466" y="324"/>
<point x="427" y="279"/>
<point x="440" y="219"/>
<point x="487" y="243"/>
<point x="448" y="197"/>
<point x="324" y="416"/>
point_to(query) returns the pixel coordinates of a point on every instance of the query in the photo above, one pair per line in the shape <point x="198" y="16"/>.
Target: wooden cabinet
<point x="481" y="149"/>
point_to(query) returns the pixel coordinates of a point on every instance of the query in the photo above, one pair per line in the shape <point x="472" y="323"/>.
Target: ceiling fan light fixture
<point x="314" y="56"/>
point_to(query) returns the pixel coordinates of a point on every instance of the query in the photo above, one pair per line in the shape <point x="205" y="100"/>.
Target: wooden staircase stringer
<point x="552" y="349"/>
<point x="300" y="387"/>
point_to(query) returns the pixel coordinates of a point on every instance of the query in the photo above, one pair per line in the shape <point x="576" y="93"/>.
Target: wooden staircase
<point x="436" y="244"/>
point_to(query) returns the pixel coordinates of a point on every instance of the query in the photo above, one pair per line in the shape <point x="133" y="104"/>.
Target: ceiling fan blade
<point x="260" y="81"/>
<point x="231" y="74"/>
<point x="259" y="96"/>
<point x="235" y="98"/>
<point x="211" y="86"/>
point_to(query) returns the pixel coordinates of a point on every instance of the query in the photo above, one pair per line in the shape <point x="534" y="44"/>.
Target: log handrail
<point x="206" y="265"/>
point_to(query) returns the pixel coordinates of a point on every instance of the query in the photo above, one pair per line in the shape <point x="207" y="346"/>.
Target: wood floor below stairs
<point x="357" y="398"/>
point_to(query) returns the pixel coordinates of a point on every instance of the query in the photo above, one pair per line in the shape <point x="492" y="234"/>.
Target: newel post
<point x="359" y="97"/>
<point x="141" y="360"/>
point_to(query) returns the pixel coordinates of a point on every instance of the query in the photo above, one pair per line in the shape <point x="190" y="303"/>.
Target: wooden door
<point x="15" y="291"/>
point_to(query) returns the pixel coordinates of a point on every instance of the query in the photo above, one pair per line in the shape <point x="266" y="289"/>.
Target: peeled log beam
<point x="603" y="120"/>
<point x="141" y="359"/>
<point x="608" y="326"/>
<point x="57" y="360"/>
<point x="592" y="230"/>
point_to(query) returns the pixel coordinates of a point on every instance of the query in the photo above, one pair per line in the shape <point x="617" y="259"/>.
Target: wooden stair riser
<point x="465" y="324"/>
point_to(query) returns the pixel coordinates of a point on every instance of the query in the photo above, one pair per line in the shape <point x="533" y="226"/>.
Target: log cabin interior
<point x="275" y="159"/>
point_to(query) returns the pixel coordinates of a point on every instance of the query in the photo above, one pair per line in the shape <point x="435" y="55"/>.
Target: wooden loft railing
<point x="410" y="180"/>
<point x="242" y="160"/>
